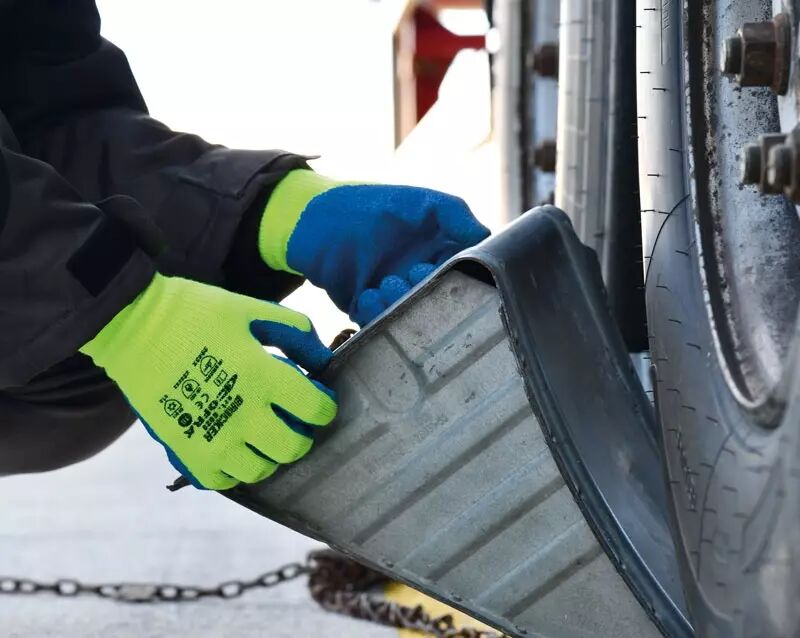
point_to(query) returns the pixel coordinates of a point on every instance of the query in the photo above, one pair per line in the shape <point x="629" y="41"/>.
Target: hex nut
<point x="754" y="162"/>
<point x="783" y="167"/>
<point x="759" y="54"/>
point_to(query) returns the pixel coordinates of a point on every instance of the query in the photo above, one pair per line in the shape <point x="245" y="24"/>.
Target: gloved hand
<point x="366" y="245"/>
<point x="189" y="359"/>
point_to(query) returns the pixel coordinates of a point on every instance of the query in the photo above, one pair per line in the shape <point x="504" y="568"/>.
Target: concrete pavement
<point x="111" y="519"/>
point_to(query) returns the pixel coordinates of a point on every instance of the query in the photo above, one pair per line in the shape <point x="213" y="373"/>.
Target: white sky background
<point x="309" y="76"/>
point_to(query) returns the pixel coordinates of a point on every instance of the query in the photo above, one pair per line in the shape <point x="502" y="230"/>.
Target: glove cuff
<point x="284" y="208"/>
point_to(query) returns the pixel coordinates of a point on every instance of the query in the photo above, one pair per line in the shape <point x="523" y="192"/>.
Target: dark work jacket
<point x="95" y="195"/>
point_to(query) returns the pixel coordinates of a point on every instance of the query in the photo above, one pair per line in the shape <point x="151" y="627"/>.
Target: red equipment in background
<point x="424" y="50"/>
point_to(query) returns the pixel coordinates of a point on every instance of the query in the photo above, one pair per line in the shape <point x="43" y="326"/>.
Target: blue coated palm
<point x="366" y="245"/>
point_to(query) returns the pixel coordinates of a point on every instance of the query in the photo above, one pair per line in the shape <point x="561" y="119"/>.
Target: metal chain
<point x="336" y="583"/>
<point x="152" y="592"/>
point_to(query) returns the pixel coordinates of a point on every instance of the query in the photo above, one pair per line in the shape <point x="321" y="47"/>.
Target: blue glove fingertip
<point x="420" y="272"/>
<point x="458" y="222"/>
<point x="393" y="288"/>
<point x="368" y="306"/>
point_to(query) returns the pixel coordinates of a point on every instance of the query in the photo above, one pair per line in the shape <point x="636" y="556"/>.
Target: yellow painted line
<point x="404" y="595"/>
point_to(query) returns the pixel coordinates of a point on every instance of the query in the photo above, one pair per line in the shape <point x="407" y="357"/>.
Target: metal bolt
<point x="544" y="156"/>
<point x="759" y="54"/>
<point x="754" y="162"/>
<point x="751" y="164"/>
<point x="779" y="167"/>
<point x="783" y="167"/>
<point x="732" y="55"/>
<point x="545" y="60"/>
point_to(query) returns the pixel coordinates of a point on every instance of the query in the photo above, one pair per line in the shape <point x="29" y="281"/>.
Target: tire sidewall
<point x="735" y="529"/>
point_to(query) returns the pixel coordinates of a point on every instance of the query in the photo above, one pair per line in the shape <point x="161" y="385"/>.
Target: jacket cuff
<point x="121" y="231"/>
<point x="219" y="245"/>
<point x="81" y="324"/>
<point x="113" y="265"/>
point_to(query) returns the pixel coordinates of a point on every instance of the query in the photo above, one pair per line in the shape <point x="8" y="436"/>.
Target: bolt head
<point x="779" y="167"/>
<point x="751" y="164"/>
<point x="759" y="54"/>
<point x="732" y="50"/>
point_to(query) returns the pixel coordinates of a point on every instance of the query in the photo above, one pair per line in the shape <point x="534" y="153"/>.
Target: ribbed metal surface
<point x="438" y="471"/>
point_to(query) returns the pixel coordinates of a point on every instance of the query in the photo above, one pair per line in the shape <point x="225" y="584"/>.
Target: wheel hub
<point x="750" y="238"/>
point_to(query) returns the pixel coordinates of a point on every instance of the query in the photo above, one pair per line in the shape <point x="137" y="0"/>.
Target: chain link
<point x="337" y="583"/>
<point x="152" y="592"/>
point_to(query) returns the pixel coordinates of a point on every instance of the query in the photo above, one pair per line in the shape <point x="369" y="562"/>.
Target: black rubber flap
<point x="566" y="385"/>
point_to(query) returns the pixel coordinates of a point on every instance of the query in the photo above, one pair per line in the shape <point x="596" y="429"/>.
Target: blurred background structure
<point x="381" y="90"/>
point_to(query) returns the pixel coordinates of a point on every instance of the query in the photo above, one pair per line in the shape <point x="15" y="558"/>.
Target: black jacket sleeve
<point x="75" y="130"/>
<point x="66" y="267"/>
<point x="76" y="106"/>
